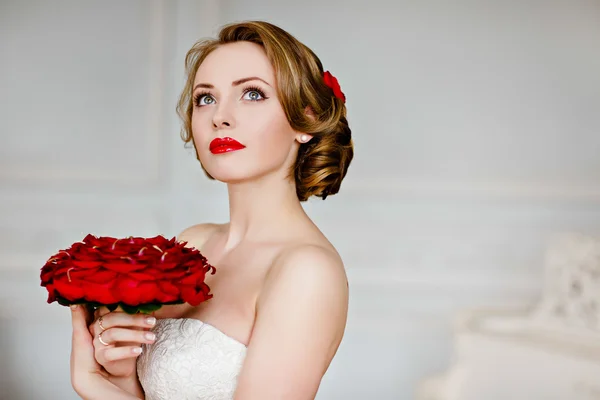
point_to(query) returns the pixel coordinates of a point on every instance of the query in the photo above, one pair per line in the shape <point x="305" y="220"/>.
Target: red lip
<point x="225" y="145"/>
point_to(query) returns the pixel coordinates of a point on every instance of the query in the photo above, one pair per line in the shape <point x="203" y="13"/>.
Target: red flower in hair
<point x="332" y="82"/>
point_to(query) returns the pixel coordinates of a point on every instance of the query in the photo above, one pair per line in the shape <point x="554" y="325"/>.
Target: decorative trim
<point x="382" y="278"/>
<point x="150" y="172"/>
<point x="515" y="190"/>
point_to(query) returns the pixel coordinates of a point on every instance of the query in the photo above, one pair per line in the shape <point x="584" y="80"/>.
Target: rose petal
<point x="193" y="296"/>
<point x="51" y="293"/>
<point x="142" y="276"/>
<point x="86" y="264"/>
<point x="123" y="267"/>
<point x="103" y="276"/>
<point x="103" y="293"/>
<point x="168" y="288"/>
<point x="69" y="291"/>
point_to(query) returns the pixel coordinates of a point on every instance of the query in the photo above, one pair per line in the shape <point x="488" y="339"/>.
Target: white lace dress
<point x="190" y="360"/>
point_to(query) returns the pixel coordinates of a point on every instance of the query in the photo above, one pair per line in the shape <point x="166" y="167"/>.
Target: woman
<point x="265" y="119"/>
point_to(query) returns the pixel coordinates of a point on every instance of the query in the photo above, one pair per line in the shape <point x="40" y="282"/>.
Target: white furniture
<point x="551" y="352"/>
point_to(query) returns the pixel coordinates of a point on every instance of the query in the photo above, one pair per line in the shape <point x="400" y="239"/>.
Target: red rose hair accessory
<point x="332" y="82"/>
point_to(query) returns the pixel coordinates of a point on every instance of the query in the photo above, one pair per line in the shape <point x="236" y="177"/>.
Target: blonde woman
<point x="268" y="121"/>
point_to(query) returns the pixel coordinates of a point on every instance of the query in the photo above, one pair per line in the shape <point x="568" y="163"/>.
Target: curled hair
<point x="322" y="163"/>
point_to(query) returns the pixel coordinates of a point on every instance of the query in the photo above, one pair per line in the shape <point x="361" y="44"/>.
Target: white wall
<point x="476" y="130"/>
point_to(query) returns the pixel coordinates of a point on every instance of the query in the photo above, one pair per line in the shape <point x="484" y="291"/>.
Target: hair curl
<point x="322" y="163"/>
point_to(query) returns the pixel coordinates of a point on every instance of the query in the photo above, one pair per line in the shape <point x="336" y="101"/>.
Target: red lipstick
<point x="225" y="145"/>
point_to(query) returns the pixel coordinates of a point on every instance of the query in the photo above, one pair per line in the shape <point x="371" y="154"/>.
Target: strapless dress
<point x="190" y="360"/>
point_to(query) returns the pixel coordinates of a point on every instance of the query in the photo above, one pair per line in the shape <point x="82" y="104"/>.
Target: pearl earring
<point x="304" y="138"/>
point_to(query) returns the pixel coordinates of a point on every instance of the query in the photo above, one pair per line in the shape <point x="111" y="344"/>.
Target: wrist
<point x="130" y="384"/>
<point x="100" y="388"/>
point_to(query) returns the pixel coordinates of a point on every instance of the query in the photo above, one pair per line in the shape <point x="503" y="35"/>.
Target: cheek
<point x="272" y="137"/>
<point x="202" y="133"/>
<point x="200" y="126"/>
<point x="273" y="150"/>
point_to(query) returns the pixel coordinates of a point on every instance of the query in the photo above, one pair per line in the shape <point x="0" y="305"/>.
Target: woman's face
<point x="239" y="127"/>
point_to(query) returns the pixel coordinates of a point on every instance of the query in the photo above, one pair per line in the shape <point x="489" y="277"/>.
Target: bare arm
<point x="301" y="317"/>
<point x="102" y="389"/>
<point x="130" y="385"/>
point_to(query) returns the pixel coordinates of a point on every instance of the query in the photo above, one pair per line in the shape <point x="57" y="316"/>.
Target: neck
<point x="259" y="208"/>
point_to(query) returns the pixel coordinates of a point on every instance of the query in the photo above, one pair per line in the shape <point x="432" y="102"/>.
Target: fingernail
<point x="150" y="320"/>
<point x="137" y="350"/>
<point x="150" y="335"/>
<point x="73" y="306"/>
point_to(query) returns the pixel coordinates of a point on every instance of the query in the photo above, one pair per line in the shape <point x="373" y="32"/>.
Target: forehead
<point x="234" y="61"/>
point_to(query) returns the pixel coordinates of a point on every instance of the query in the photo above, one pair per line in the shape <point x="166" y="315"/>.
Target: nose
<point x="223" y="118"/>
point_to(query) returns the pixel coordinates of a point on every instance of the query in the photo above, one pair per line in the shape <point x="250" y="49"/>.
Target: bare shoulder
<point x="321" y="260"/>
<point x="300" y="322"/>
<point x="315" y="267"/>
<point x="197" y="235"/>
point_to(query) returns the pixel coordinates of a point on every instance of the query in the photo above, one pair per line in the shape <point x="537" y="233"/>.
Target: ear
<point x="309" y="112"/>
<point x="304" y="137"/>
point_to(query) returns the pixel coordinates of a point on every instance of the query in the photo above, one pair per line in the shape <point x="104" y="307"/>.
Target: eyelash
<point x="198" y="96"/>
<point x="247" y="89"/>
<point x="257" y="90"/>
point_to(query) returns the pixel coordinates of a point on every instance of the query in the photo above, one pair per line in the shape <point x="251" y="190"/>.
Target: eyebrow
<point x="234" y="83"/>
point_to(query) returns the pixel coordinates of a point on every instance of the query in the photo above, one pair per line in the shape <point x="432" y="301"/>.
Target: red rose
<point x="332" y="82"/>
<point x="138" y="274"/>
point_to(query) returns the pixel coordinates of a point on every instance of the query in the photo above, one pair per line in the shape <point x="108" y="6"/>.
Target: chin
<point x="229" y="174"/>
<point x="227" y="169"/>
<point x="238" y="174"/>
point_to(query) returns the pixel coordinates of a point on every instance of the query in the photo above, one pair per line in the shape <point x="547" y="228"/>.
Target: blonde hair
<point x="322" y="163"/>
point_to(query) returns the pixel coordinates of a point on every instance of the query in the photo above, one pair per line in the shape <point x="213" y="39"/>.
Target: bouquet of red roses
<point x="136" y="274"/>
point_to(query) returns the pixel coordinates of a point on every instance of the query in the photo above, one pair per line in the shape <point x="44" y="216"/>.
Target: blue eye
<point x="254" y="94"/>
<point x="203" y="99"/>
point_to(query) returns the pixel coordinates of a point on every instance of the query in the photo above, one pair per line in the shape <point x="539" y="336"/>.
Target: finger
<point x="115" y="335"/>
<point x="100" y="311"/>
<point x="82" y="350"/>
<point x="98" y="325"/>
<point x="79" y="320"/>
<point x="117" y="319"/>
<point x="118" y="353"/>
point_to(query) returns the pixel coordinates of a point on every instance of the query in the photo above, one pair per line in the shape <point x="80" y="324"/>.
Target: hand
<point x="88" y="378"/>
<point x="124" y="334"/>
<point x="85" y="371"/>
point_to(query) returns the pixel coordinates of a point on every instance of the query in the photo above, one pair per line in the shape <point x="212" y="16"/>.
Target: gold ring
<point x="102" y="341"/>
<point x="100" y="323"/>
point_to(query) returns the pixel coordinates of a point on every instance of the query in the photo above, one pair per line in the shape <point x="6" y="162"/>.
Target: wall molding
<point x="398" y="188"/>
<point x="441" y="281"/>
<point x="150" y="172"/>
